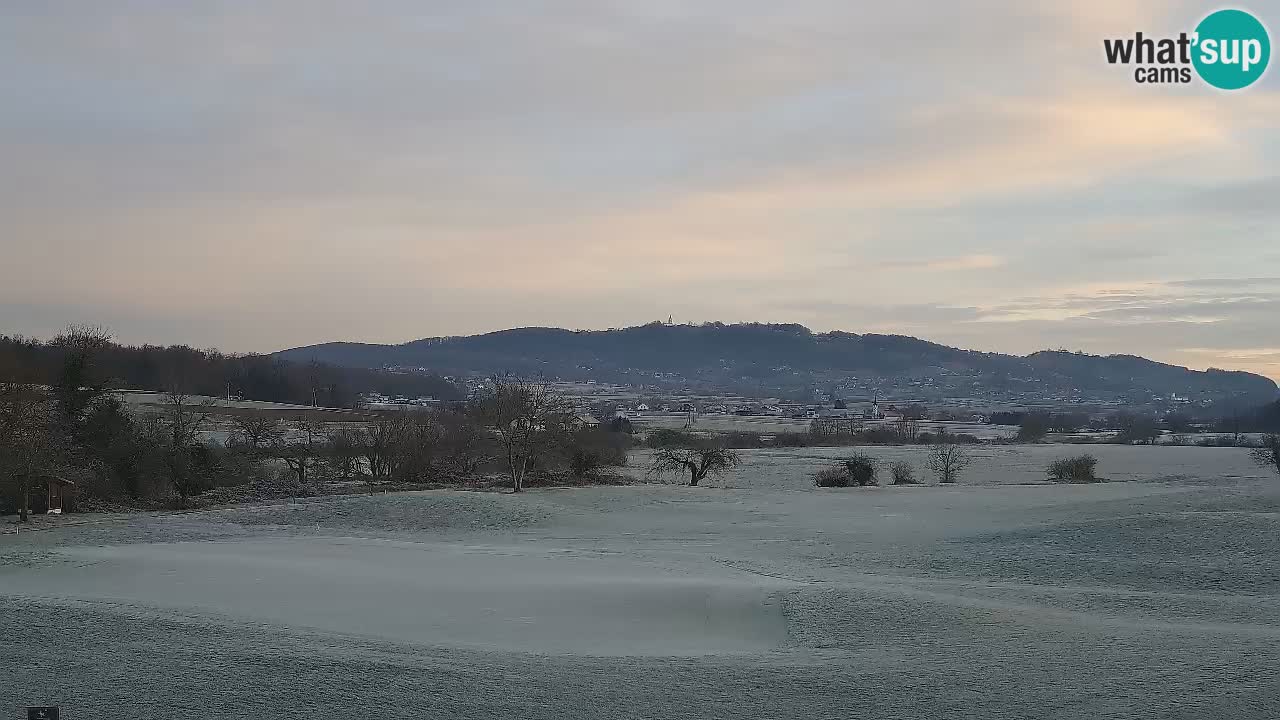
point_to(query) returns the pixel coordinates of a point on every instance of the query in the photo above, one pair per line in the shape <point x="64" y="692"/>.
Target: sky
<point x="260" y="174"/>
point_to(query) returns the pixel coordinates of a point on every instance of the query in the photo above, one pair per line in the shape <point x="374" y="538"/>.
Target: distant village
<point x="917" y="399"/>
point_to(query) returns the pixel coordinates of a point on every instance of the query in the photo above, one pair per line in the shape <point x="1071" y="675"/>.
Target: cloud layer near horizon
<point x="256" y="175"/>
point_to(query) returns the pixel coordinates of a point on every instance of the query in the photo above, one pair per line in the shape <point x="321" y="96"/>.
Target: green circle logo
<point x="1232" y="49"/>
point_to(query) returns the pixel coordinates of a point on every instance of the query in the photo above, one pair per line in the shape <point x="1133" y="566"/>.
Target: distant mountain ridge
<point x="770" y="358"/>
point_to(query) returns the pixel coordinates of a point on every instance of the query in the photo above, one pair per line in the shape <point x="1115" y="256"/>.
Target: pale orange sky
<point x="258" y="175"/>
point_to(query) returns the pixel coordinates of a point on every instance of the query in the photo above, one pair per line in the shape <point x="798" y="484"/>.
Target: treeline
<point x="87" y="356"/>
<point x="821" y="433"/>
<point x="1138" y="428"/>
<point x="1264" y="419"/>
<point x="449" y="445"/>
<point x="65" y="431"/>
<point x="1055" y="422"/>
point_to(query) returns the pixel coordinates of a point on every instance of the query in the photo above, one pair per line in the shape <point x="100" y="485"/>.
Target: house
<point x="642" y="408"/>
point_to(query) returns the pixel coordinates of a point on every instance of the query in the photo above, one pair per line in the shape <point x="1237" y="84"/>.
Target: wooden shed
<point x="59" y="495"/>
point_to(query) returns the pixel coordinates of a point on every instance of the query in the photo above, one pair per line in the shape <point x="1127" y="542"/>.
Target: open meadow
<point x="759" y="595"/>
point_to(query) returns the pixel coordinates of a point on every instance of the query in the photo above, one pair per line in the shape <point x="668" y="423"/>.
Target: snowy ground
<point x="792" y="468"/>
<point x="144" y="397"/>
<point x="759" y="596"/>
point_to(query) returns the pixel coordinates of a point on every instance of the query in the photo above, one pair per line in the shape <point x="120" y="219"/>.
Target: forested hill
<point x="104" y="364"/>
<point x="764" y="357"/>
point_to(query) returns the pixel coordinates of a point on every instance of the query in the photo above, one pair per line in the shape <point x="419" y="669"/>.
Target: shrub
<point x="878" y="436"/>
<point x="237" y="468"/>
<point x="944" y="437"/>
<point x="832" y="477"/>
<point x="861" y="469"/>
<point x="664" y="438"/>
<point x="609" y="448"/>
<point x="1267" y="454"/>
<point x="741" y="439"/>
<point x="1136" y="429"/>
<point x="788" y="438"/>
<point x="903" y="473"/>
<point x="585" y="463"/>
<point x="1218" y="441"/>
<point x="1077" y="469"/>
<point x="1034" y="427"/>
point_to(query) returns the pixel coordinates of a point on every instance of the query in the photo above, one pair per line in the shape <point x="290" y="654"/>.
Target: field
<point x="768" y="425"/>
<point x="1156" y="595"/>
<point x="792" y="468"/>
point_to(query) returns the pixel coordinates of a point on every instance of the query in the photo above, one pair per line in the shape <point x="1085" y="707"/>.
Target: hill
<point x="790" y="360"/>
<point x="207" y="372"/>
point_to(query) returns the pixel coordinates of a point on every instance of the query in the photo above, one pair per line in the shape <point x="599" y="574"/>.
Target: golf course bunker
<point x="479" y="597"/>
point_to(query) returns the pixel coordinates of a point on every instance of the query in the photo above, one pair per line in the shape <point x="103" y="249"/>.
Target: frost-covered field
<point x="758" y="596"/>
<point x="992" y="464"/>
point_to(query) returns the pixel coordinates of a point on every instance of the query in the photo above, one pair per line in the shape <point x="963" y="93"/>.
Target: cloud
<point x="1163" y="317"/>
<point x="1265" y="361"/>
<point x="257" y="175"/>
<point x="963" y="262"/>
<point x="1227" y="282"/>
<point x="1251" y="198"/>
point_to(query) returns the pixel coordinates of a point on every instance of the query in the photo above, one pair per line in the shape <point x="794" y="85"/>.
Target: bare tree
<point x="183" y="419"/>
<point x="411" y="446"/>
<point x="1140" y="429"/>
<point x="417" y="451"/>
<point x="343" y="453"/>
<point x="26" y="438"/>
<point x="300" y="455"/>
<point x="907" y="429"/>
<point x="698" y="462"/>
<point x="1268" y="453"/>
<point x="915" y="411"/>
<point x="1235" y="424"/>
<point x="79" y="382"/>
<point x="257" y="432"/>
<point x="947" y="460"/>
<point x="529" y="418"/>
<point x="378" y="443"/>
<point x="1034" y="427"/>
<point x="460" y="441"/>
